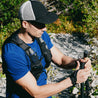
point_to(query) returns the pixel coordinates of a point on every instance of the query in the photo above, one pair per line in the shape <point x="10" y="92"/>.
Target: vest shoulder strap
<point x="45" y="51"/>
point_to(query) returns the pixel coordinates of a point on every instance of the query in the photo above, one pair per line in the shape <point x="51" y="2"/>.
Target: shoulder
<point x="12" y="48"/>
<point x="13" y="52"/>
<point x="15" y="60"/>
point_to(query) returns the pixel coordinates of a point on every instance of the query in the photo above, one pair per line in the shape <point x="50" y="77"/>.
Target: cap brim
<point x="48" y="18"/>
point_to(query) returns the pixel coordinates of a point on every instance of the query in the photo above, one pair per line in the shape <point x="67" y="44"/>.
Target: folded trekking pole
<point x="82" y="64"/>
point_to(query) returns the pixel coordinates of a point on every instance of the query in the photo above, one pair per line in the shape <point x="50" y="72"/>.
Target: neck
<point x="25" y="36"/>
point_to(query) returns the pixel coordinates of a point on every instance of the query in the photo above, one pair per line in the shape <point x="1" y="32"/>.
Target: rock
<point x="75" y="90"/>
<point x="72" y="46"/>
<point x="95" y="82"/>
<point x="2" y="87"/>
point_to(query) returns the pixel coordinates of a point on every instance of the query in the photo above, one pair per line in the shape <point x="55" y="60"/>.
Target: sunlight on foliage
<point x="8" y="29"/>
<point x="78" y="16"/>
<point x="62" y="25"/>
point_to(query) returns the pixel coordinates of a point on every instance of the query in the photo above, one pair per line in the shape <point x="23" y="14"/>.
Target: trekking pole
<point x="82" y="64"/>
<point x="87" y="88"/>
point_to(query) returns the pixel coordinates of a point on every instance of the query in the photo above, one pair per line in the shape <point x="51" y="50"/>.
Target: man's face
<point x="36" y="29"/>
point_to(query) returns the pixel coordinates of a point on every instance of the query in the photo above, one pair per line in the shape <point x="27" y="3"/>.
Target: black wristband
<point x="75" y="63"/>
<point x="73" y="77"/>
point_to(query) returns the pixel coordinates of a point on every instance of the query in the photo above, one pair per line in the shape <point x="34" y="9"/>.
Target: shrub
<point x="9" y="10"/>
<point x="85" y="16"/>
<point x="8" y="29"/>
<point x="82" y="15"/>
<point x="8" y="17"/>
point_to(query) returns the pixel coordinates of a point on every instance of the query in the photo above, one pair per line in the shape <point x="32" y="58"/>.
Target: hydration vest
<point x="36" y="65"/>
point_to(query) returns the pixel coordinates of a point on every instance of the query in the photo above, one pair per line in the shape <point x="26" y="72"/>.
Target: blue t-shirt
<point x="18" y="64"/>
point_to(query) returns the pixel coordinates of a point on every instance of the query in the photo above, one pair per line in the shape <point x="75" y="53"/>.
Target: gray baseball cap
<point x="35" y="11"/>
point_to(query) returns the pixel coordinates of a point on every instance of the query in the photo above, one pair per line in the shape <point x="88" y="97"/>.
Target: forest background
<point x="75" y="16"/>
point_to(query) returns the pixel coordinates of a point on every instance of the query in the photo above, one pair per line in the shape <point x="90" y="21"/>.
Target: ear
<point x="25" y="24"/>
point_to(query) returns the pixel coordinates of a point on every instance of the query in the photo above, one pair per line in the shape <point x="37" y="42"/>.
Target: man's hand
<point x="87" y="61"/>
<point x="83" y="74"/>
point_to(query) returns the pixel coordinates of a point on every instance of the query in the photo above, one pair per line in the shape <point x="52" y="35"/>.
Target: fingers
<point x="88" y="62"/>
<point x="78" y="65"/>
<point x="83" y="75"/>
<point x="87" y="69"/>
<point x="85" y="72"/>
<point x="85" y="59"/>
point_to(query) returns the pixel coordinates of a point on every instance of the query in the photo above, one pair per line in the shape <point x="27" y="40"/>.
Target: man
<point x="22" y="80"/>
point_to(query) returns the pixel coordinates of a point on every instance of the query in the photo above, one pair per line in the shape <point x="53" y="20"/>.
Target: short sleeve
<point x="15" y="59"/>
<point x="47" y="40"/>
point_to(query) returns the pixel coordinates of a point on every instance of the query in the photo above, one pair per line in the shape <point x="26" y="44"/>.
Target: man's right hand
<point x="83" y="74"/>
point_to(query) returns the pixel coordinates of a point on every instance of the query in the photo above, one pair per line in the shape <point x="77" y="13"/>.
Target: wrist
<point x="75" y="63"/>
<point x="73" y="77"/>
<point x="70" y="82"/>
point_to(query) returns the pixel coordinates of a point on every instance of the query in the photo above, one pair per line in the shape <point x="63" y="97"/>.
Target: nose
<point x="44" y="29"/>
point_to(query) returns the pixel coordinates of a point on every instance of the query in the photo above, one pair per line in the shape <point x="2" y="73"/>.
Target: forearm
<point x="78" y="76"/>
<point x="68" y="62"/>
<point x="61" y="60"/>
<point x="51" y="89"/>
<point x="29" y="83"/>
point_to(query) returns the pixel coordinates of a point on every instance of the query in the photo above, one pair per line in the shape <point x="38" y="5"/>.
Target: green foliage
<point x="82" y="15"/>
<point x="53" y="96"/>
<point x="85" y="16"/>
<point x="62" y="25"/>
<point x="8" y="17"/>
<point x="8" y="29"/>
<point x="9" y="10"/>
<point x="96" y="92"/>
<point x="2" y="75"/>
